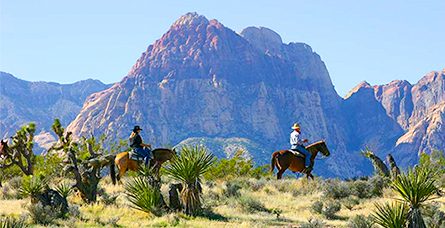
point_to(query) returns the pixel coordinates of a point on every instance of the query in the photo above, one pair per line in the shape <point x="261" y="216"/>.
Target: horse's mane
<point x="316" y="143"/>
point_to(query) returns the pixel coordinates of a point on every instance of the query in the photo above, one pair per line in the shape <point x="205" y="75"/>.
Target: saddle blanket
<point x="135" y="156"/>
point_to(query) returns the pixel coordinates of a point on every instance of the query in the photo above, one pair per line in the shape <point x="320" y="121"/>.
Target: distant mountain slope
<point x="40" y="102"/>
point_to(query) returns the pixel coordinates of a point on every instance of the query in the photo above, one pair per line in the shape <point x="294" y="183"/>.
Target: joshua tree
<point x="395" y="171"/>
<point x="20" y="153"/>
<point x="188" y="168"/>
<point x="378" y="164"/>
<point x="83" y="160"/>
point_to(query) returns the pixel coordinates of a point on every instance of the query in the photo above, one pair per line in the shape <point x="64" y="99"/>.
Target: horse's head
<point x="322" y="147"/>
<point x="3" y="146"/>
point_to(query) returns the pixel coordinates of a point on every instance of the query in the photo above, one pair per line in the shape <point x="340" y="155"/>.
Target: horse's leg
<point x="280" y="173"/>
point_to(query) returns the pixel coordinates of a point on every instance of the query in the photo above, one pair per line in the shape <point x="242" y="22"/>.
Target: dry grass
<point x="285" y="195"/>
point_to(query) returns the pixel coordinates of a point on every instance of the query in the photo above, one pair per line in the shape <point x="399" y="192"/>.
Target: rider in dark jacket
<point x="142" y="149"/>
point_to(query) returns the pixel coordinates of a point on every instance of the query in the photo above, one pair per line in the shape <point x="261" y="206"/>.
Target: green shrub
<point x="330" y="209"/>
<point x="251" y="205"/>
<point x="231" y="189"/>
<point x="257" y="185"/>
<point x="12" y="222"/>
<point x="107" y="199"/>
<point x="317" y="207"/>
<point x="143" y="196"/>
<point x="433" y="216"/>
<point x="361" y="189"/>
<point x="43" y="215"/>
<point x="336" y="189"/>
<point x="350" y="202"/>
<point x="237" y="166"/>
<point x="313" y="223"/>
<point x="360" y="221"/>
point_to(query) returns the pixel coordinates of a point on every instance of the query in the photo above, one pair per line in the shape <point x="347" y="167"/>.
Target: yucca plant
<point x="143" y="196"/>
<point x="64" y="189"/>
<point x="188" y="168"/>
<point x="32" y="186"/>
<point x="11" y="222"/>
<point x="415" y="187"/>
<point x="390" y="215"/>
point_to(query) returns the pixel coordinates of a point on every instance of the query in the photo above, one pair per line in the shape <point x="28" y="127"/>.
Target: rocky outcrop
<point x="40" y="102"/>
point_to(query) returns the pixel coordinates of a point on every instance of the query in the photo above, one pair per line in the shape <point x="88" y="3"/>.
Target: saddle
<point x="296" y="153"/>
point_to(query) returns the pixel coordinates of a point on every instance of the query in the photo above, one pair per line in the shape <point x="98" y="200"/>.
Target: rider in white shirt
<point x="297" y="144"/>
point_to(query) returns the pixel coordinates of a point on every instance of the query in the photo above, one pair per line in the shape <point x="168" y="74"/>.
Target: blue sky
<point x="376" y="40"/>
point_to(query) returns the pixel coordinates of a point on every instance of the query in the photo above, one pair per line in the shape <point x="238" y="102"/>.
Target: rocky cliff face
<point x="412" y="117"/>
<point x="201" y="79"/>
<point x="40" y="102"/>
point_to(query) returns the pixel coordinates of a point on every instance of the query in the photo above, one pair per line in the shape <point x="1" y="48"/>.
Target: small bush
<point x="313" y="223"/>
<point x="108" y="199"/>
<point x="433" y="216"/>
<point x="317" y="207"/>
<point x="350" y="202"/>
<point x="232" y="190"/>
<point x="42" y="215"/>
<point x="330" y="209"/>
<point x="257" y="185"/>
<point x="251" y="205"/>
<point x="377" y="184"/>
<point x="336" y="189"/>
<point x="360" y="221"/>
<point x="11" y="222"/>
<point x="361" y="189"/>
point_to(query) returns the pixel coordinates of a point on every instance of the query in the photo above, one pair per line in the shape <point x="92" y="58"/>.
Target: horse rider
<point x="297" y="146"/>
<point x="140" y="148"/>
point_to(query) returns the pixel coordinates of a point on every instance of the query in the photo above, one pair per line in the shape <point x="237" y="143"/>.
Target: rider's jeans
<point x="306" y="153"/>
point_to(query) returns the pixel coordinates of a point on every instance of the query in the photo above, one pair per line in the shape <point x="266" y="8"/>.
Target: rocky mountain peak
<point x="190" y="19"/>
<point x="263" y="38"/>
<point x="357" y="88"/>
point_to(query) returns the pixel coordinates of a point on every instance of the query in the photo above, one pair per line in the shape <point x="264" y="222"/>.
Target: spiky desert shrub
<point x="390" y="215"/>
<point x="32" y="186"/>
<point x="415" y="188"/>
<point x="64" y="189"/>
<point x="188" y="168"/>
<point x="143" y="196"/>
<point x="12" y="222"/>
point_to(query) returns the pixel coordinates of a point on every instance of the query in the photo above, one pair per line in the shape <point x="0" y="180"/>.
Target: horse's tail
<point x="113" y="172"/>
<point x="273" y="161"/>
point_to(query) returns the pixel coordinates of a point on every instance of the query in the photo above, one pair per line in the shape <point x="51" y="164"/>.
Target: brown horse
<point x="124" y="163"/>
<point x="284" y="159"/>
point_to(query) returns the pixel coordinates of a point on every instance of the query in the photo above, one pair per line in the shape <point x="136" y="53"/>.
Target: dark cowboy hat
<point x="136" y="128"/>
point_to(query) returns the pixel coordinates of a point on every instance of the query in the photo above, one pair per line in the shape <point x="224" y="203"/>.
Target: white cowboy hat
<point x="296" y="126"/>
